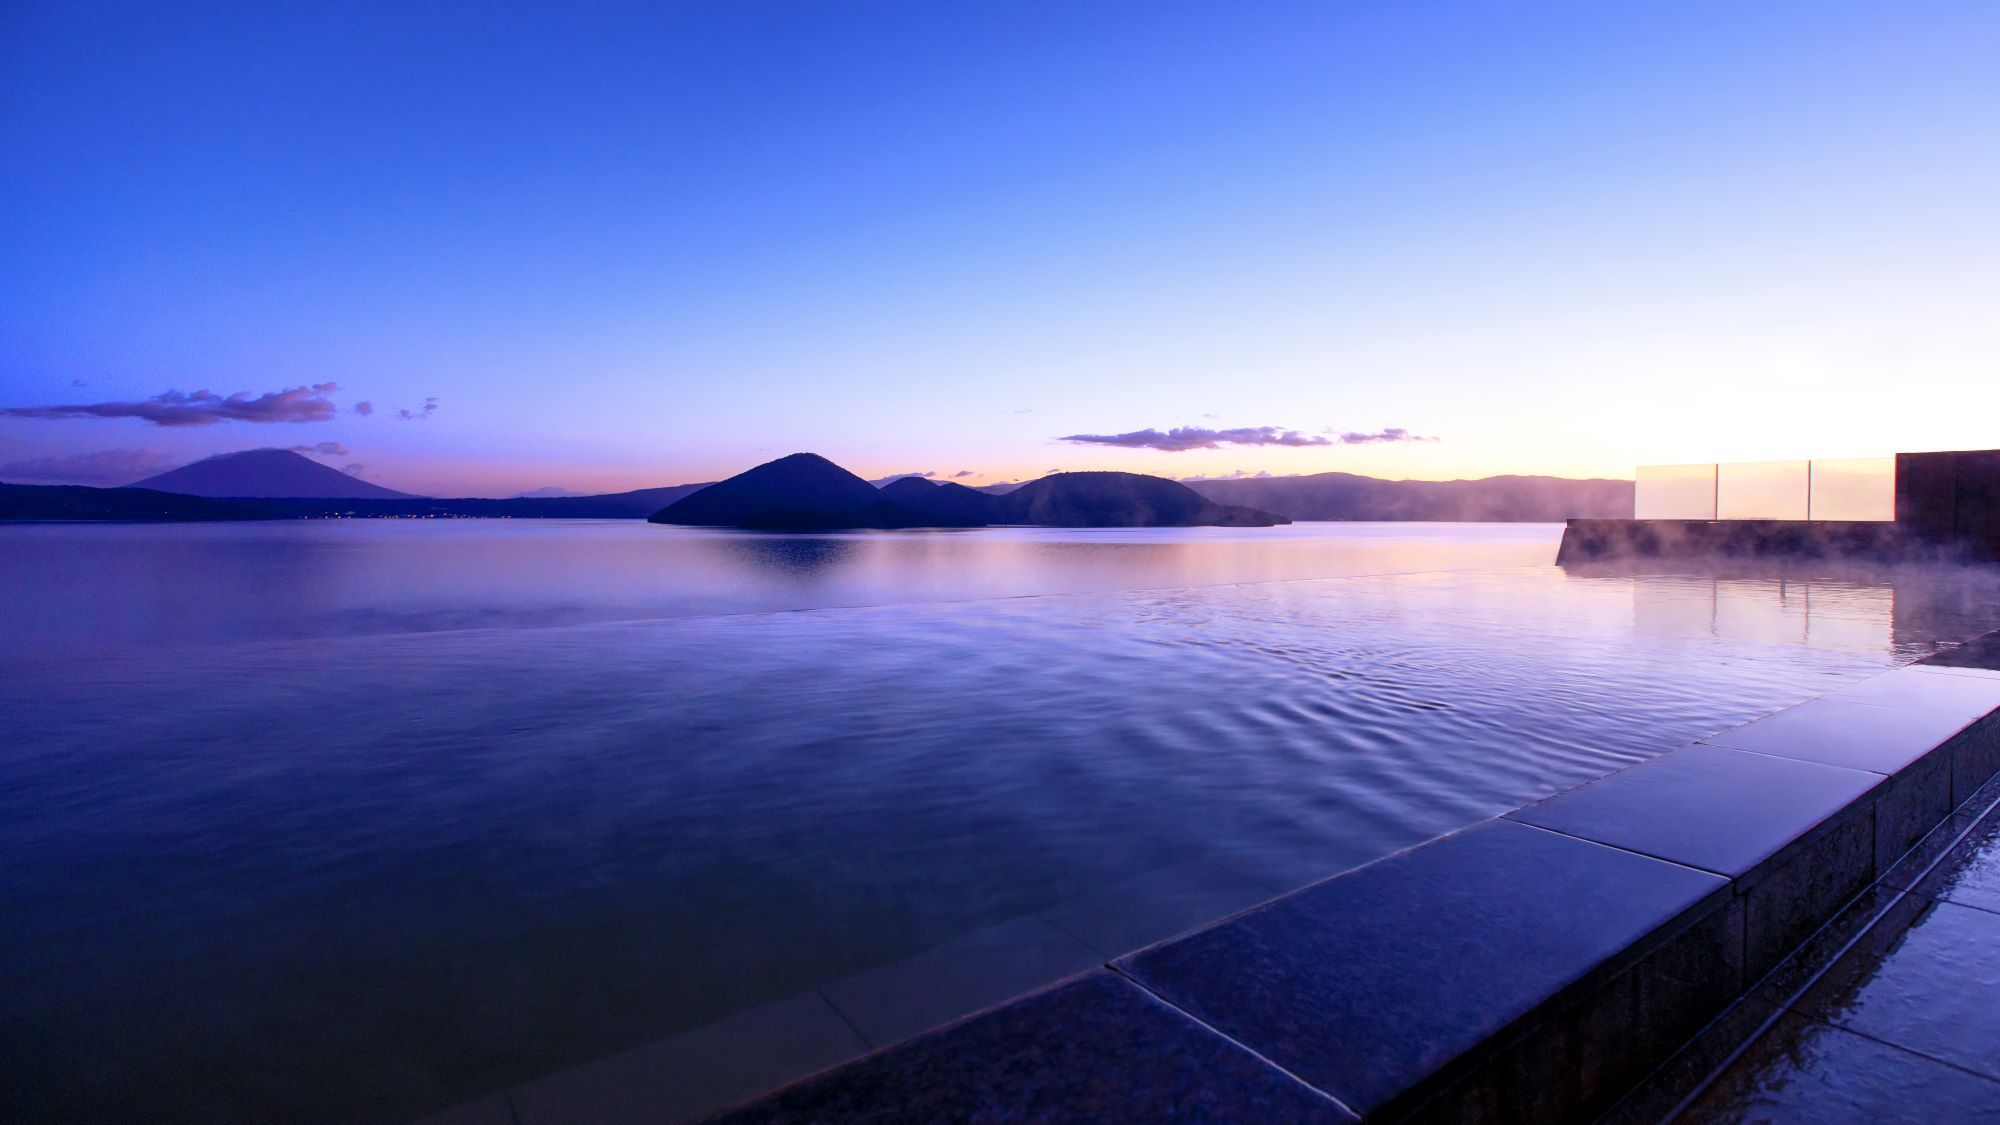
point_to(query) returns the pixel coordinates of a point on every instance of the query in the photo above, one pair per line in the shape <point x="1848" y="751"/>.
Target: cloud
<point x="79" y="382"/>
<point x="880" y="481"/>
<point x="430" y="406"/>
<point x="963" y="473"/>
<point x="322" y="449"/>
<point x="353" y="468"/>
<point x="1393" y="433"/>
<point x="364" y="408"/>
<point x="110" y="466"/>
<point x="1180" y="439"/>
<point x="202" y="408"/>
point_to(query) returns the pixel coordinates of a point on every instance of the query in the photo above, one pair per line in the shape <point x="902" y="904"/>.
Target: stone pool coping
<point x="1534" y="966"/>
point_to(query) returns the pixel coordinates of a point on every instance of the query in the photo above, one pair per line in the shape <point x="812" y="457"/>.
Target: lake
<point x="355" y="820"/>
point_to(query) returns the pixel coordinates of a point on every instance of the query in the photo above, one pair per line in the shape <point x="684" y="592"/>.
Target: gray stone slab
<point x="1690" y="1069"/>
<point x="1139" y="912"/>
<point x="1803" y="1071"/>
<point x="1368" y="984"/>
<point x="1969" y="873"/>
<point x="1725" y="811"/>
<point x="1955" y="670"/>
<point x="1924" y="689"/>
<point x="976" y="971"/>
<point x="1793" y="896"/>
<point x="682" y="1077"/>
<point x="1975" y="759"/>
<point x="1577" y="1061"/>
<point x="1932" y="986"/>
<point x="1917" y="863"/>
<point x="1097" y="1049"/>
<point x="1914" y="802"/>
<point x="1859" y="736"/>
<point x="1812" y="957"/>
<point x="1983" y="799"/>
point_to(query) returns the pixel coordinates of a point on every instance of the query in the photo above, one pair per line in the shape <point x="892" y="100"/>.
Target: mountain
<point x="266" y="473"/>
<point x="1121" y="500"/>
<point x="1345" y="496"/>
<point x="634" y="505"/>
<point x="803" y="489"/>
<point x="941" y="503"/>
<point x="807" y="492"/>
<point x="79" y="502"/>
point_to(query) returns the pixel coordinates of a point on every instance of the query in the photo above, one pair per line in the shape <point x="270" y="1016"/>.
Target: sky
<point x="598" y="246"/>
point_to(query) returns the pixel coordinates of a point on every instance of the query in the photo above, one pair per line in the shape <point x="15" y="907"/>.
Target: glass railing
<point x="1862" y="488"/>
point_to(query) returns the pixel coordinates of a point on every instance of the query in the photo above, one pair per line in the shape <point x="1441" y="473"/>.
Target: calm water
<point x="353" y="821"/>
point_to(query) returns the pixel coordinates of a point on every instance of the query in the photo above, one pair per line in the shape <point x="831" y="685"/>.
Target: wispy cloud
<point x="322" y="449"/>
<point x="201" y="408"/>
<point x="880" y="481"/>
<point x="353" y="468"/>
<point x="1393" y="433"/>
<point x="110" y="466"/>
<point x="1180" y="439"/>
<point x="963" y="473"/>
<point x="364" y="408"/>
<point x="430" y="407"/>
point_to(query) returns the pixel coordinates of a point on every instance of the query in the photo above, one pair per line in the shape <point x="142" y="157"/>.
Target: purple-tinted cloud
<point x="1180" y="439"/>
<point x="1393" y="433"/>
<point x="880" y="481"/>
<point x="963" y="473"/>
<point x="353" y="468"/>
<point x="364" y="408"/>
<point x="201" y="408"/>
<point x="110" y="466"/>
<point x="430" y="407"/>
<point x="322" y="449"/>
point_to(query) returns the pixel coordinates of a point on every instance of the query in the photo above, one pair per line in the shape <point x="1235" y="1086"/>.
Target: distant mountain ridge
<point x="807" y="492"/>
<point x="263" y="474"/>
<point x="1503" y="499"/>
<point x="913" y="501"/>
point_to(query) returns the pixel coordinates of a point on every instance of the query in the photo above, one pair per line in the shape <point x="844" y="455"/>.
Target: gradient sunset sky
<point x="609" y="246"/>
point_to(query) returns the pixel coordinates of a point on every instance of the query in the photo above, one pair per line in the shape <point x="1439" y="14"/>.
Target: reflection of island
<point x="807" y="492"/>
<point x="794" y="555"/>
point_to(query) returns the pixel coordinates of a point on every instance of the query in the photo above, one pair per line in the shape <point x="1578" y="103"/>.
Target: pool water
<point x="354" y="821"/>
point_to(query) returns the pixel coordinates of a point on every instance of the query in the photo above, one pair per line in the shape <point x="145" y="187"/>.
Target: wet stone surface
<point x="1725" y="811"/>
<point x="1367" y="984"/>
<point x="1802" y="1071"/>
<point x="1096" y="1049"/>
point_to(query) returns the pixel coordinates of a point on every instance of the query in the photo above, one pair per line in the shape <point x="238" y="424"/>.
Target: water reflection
<point x="99" y="588"/>
<point x="1900" y="613"/>
<point x="794" y="556"/>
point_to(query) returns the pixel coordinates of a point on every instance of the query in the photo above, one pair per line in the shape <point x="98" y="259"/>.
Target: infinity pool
<point x="354" y="822"/>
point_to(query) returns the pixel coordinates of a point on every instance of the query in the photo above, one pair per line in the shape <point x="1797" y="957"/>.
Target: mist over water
<point x="355" y="821"/>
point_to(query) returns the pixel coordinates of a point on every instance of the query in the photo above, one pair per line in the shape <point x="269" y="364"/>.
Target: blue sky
<point x="633" y="245"/>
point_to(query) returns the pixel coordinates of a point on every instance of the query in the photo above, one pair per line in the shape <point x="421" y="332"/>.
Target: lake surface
<point x="357" y="820"/>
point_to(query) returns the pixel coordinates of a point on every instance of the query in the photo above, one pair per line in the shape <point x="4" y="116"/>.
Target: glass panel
<point x="1762" y="490"/>
<point x="1858" y="488"/>
<point x="1674" y="492"/>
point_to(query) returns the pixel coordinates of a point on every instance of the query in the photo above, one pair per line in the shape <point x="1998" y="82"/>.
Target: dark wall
<point x="1951" y="498"/>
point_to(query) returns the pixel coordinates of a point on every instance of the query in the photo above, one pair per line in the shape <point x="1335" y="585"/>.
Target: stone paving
<point x="1891" y="1012"/>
